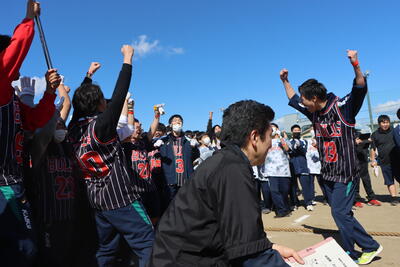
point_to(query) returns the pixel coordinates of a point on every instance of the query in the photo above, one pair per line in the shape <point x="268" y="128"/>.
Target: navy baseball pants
<point x="341" y="198"/>
<point x="130" y="222"/>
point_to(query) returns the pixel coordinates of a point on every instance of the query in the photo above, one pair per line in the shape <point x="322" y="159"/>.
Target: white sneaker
<point x="314" y="203"/>
<point x="310" y="208"/>
<point x="293" y="208"/>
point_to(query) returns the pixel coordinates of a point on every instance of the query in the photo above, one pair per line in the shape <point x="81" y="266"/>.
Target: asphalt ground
<point x="305" y="228"/>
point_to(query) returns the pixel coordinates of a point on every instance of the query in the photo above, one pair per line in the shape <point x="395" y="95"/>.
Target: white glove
<point x="158" y="143"/>
<point x="27" y="86"/>
<point x="128" y="95"/>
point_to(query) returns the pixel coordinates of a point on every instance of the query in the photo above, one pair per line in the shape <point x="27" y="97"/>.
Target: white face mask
<point x="275" y="132"/>
<point x="177" y="128"/>
<point x="59" y="135"/>
<point x="206" y="141"/>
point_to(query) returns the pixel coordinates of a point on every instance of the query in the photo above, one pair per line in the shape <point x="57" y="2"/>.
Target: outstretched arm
<point x="13" y="55"/>
<point x="154" y="124"/>
<point x="106" y="124"/>
<point x="352" y="55"/>
<point x="63" y="91"/>
<point x="94" y="66"/>
<point x="284" y="74"/>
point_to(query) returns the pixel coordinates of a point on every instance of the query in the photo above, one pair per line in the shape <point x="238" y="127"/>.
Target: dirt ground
<point x="383" y="222"/>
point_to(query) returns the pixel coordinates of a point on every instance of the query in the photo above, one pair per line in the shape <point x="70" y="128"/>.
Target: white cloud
<point x="390" y="106"/>
<point x="144" y="46"/>
<point x="176" y="51"/>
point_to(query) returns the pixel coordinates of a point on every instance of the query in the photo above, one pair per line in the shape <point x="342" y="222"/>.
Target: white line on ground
<point x="302" y="218"/>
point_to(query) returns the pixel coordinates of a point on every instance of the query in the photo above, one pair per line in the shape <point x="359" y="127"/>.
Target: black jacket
<point x="215" y="218"/>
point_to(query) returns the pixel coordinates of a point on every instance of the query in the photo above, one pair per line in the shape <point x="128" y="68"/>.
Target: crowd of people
<point x="100" y="189"/>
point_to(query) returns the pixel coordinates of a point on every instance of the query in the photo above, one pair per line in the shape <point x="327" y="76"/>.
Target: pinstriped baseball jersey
<point x="55" y="184"/>
<point x="335" y="138"/>
<point x="334" y="128"/>
<point x="138" y="158"/>
<point x="11" y="143"/>
<point x="104" y="168"/>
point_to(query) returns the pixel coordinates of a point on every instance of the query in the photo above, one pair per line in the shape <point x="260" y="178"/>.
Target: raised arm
<point x="94" y="66"/>
<point x="154" y="124"/>
<point x="63" y="91"/>
<point x="359" y="79"/>
<point x="106" y="124"/>
<point x="38" y="116"/>
<point x="284" y="75"/>
<point x="13" y="55"/>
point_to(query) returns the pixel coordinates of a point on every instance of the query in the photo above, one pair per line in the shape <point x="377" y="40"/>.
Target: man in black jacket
<point x="215" y="219"/>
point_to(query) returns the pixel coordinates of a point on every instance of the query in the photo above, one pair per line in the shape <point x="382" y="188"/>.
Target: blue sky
<point x="201" y="56"/>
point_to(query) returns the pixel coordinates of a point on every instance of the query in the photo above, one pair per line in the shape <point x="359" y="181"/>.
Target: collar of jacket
<point x="237" y="151"/>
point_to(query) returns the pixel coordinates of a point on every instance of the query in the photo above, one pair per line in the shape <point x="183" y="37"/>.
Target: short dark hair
<point x="398" y="113"/>
<point x="241" y="118"/>
<point x="86" y="100"/>
<point x="295" y="126"/>
<point x="311" y="88"/>
<point x="175" y="116"/>
<point x="5" y="41"/>
<point x="136" y="120"/>
<point x="200" y="135"/>
<point x="161" y="127"/>
<point x="274" y="124"/>
<point x="383" y="118"/>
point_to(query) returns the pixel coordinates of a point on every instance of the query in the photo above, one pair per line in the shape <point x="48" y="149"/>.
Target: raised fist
<point x="94" y="66"/>
<point x="32" y="9"/>
<point x="352" y="55"/>
<point x="67" y="89"/>
<point x="127" y="50"/>
<point x="53" y="80"/>
<point x="284" y="75"/>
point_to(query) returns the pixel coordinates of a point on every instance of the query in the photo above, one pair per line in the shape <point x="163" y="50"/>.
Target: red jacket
<point x="11" y="60"/>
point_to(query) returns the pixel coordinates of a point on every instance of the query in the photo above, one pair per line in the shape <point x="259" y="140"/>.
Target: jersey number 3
<point x="330" y="152"/>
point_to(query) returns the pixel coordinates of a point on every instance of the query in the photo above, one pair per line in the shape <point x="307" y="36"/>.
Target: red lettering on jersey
<point x="330" y="151"/>
<point x="178" y="150"/>
<point x="19" y="147"/>
<point x="179" y="166"/>
<point x="86" y="140"/>
<point x="144" y="171"/>
<point x="328" y="130"/>
<point x="17" y="113"/>
<point x="65" y="188"/>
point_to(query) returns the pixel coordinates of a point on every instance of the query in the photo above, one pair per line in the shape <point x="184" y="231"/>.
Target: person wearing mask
<point x="112" y="193"/>
<point x="137" y="148"/>
<point x="297" y="152"/>
<point x="314" y="166"/>
<point x="16" y="231"/>
<point x="54" y="179"/>
<point x="388" y="156"/>
<point x="214" y="132"/>
<point x="177" y="156"/>
<point x="205" y="148"/>
<point x="215" y="219"/>
<point x="276" y="169"/>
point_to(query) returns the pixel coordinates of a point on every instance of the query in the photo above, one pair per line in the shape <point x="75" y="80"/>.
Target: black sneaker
<point x="394" y="202"/>
<point x="285" y="214"/>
